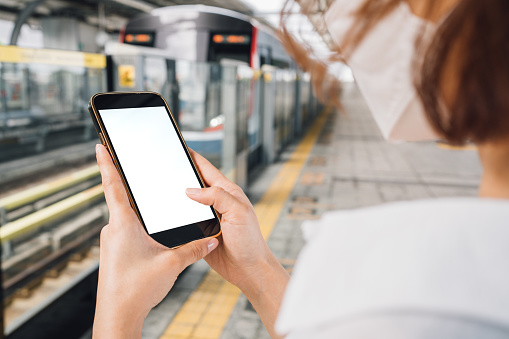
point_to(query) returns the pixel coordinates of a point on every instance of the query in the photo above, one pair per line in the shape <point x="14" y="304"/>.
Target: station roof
<point x="316" y="18"/>
<point x="116" y="12"/>
<point x="112" y="15"/>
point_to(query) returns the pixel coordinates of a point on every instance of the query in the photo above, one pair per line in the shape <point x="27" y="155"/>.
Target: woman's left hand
<point x="135" y="271"/>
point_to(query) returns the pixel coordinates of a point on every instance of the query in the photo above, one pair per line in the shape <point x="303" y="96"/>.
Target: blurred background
<point x="239" y="99"/>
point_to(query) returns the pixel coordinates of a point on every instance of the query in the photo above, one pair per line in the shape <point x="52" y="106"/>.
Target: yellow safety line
<point x="32" y="221"/>
<point x="35" y="193"/>
<point x="208" y="308"/>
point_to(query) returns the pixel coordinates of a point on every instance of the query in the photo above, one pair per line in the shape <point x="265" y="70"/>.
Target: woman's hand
<point x="242" y="257"/>
<point x="242" y="250"/>
<point x="135" y="271"/>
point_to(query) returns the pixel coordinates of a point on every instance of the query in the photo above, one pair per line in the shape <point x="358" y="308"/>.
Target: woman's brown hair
<point x="462" y="70"/>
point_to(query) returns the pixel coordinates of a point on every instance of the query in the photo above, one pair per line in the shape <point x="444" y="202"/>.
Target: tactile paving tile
<point x="302" y="199"/>
<point x="317" y="161"/>
<point x="312" y="179"/>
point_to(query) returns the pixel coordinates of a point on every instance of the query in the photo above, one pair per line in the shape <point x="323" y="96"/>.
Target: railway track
<point x="49" y="235"/>
<point x="23" y="172"/>
<point x="49" y="238"/>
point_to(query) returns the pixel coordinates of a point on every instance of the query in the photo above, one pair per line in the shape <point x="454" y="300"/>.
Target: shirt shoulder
<point x="431" y="256"/>
<point x="404" y="326"/>
<point x="410" y="217"/>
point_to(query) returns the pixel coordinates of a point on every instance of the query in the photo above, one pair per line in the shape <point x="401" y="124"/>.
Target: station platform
<point x="342" y="162"/>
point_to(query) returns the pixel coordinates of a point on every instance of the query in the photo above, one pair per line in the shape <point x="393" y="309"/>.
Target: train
<point x="206" y="34"/>
<point x="239" y="100"/>
<point x="236" y="94"/>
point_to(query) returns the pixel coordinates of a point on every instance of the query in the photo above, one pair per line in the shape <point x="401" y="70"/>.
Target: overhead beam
<point x="138" y="4"/>
<point x="22" y="18"/>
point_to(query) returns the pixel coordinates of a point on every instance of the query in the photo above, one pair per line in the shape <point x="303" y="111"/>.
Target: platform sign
<point x="127" y="76"/>
<point x="13" y="54"/>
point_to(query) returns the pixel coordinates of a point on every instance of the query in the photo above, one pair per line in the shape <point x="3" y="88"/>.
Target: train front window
<point x="229" y="46"/>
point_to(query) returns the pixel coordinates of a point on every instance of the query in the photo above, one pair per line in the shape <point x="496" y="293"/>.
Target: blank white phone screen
<point x="156" y="167"/>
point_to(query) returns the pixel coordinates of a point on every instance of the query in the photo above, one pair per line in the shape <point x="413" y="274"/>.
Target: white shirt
<point x="422" y="269"/>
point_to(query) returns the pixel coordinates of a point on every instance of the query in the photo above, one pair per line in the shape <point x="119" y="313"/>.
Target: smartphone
<point x="155" y="165"/>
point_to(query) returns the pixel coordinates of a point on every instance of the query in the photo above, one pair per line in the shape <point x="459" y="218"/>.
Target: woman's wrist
<point x="268" y="274"/>
<point x="259" y="274"/>
<point x="117" y="315"/>
<point x="265" y="290"/>
<point x="121" y="322"/>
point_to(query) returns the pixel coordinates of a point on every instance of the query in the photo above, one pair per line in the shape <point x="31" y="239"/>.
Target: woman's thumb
<point x="194" y="251"/>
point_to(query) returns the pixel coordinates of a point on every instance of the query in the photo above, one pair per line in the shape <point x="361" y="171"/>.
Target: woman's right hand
<point x="242" y="252"/>
<point x="242" y="256"/>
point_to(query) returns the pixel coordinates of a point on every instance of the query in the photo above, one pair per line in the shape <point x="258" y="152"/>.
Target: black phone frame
<point x="116" y="100"/>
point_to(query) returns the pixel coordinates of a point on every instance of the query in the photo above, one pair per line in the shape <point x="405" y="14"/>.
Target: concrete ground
<point x="350" y="166"/>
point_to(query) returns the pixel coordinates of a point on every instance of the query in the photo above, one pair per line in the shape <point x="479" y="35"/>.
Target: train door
<point x="159" y="75"/>
<point x="228" y="109"/>
<point x="155" y="75"/>
<point x="254" y="126"/>
<point x="244" y="120"/>
<point x="173" y="89"/>
<point x="268" y="105"/>
<point x="235" y="105"/>
<point x="279" y="115"/>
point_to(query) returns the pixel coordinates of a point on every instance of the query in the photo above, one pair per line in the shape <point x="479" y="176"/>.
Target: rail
<point x="23" y="225"/>
<point x="35" y="193"/>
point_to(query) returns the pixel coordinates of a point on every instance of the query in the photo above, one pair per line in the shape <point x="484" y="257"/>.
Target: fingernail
<point x="212" y="244"/>
<point x="97" y="147"/>
<point x="193" y="191"/>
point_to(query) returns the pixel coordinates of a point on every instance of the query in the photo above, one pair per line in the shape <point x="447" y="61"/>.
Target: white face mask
<point x="382" y="66"/>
